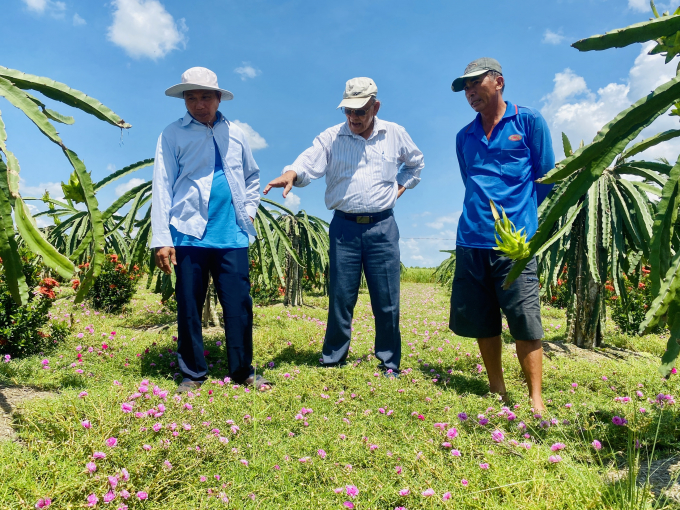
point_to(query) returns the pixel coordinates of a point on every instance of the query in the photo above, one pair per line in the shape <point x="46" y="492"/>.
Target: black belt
<point x="365" y="217"/>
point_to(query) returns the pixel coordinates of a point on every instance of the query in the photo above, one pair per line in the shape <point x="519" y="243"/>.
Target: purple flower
<point x="617" y="420"/>
<point x="462" y="416"/>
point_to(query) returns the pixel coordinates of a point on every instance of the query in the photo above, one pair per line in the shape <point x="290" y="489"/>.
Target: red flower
<point x="75" y="284"/>
<point x="112" y="286"/>
<point x="47" y="291"/>
<point x="554" y="298"/>
<point x="641" y="285"/>
<point x="49" y="282"/>
<point x="614" y="298"/>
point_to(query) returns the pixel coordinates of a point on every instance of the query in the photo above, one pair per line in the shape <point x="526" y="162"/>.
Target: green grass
<point x="418" y="275"/>
<point x="440" y="380"/>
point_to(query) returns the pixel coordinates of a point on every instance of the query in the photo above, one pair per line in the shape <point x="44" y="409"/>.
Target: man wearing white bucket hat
<point x="206" y="188"/>
<point x="368" y="164"/>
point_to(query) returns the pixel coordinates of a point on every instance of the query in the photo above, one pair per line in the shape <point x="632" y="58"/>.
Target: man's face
<point x="359" y="124"/>
<point x="202" y="104"/>
<point x="481" y="91"/>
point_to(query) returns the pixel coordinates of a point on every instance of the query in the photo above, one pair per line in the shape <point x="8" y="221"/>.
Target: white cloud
<point x="143" y="28"/>
<point x="123" y="188"/>
<point x="550" y="37"/>
<point x="639" y="5"/>
<point x="41" y="221"/>
<point x="426" y="252"/>
<point x="54" y="7"/>
<point x="574" y="109"/>
<point x="247" y="71"/>
<point x="292" y="202"/>
<point x="255" y="140"/>
<point x="37" y="191"/>
<point x="78" y="21"/>
<point x="451" y="219"/>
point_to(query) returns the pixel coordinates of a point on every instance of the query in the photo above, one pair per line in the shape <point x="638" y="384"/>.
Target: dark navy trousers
<point x="229" y="269"/>
<point x="375" y="248"/>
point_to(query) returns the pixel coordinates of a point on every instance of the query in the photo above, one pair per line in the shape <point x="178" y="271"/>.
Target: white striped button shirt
<point x="362" y="176"/>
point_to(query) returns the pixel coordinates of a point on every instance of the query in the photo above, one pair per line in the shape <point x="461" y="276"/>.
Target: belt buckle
<point x="363" y="219"/>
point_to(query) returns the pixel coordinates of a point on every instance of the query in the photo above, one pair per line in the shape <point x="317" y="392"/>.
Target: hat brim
<point x="355" y="102"/>
<point x="459" y="83"/>
<point x="179" y="90"/>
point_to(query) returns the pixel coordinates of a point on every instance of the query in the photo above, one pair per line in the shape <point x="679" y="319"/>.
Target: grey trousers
<point x="375" y="248"/>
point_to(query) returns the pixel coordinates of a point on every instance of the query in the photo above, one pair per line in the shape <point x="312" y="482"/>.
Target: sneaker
<point x="391" y="375"/>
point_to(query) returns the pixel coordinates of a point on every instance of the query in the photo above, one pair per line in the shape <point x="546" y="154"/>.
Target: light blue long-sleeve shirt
<point x="183" y="175"/>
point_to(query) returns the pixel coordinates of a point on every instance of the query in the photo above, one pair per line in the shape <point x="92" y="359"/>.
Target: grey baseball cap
<point x="476" y="68"/>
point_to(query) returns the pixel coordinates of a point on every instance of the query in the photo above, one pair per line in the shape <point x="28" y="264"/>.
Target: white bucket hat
<point x="357" y="92"/>
<point x="198" y="78"/>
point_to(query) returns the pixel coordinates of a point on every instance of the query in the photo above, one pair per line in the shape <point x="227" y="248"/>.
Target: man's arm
<point x="412" y="161"/>
<point x="165" y="171"/>
<point x="461" y="159"/>
<point x="251" y="174"/>
<point x="309" y="165"/>
<point x="542" y="155"/>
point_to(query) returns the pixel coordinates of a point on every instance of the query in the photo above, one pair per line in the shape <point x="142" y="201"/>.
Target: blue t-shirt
<point x="222" y="231"/>
<point x="503" y="169"/>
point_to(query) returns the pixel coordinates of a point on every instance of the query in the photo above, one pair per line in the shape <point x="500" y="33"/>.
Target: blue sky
<point x="287" y="62"/>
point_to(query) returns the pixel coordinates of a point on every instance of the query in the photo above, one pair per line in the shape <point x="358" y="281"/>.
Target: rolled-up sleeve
<point x="411" y="159"/>
<point x="251" y="174"/>
<point x="312" y="163"/>
<point x="542" y="155"/>
<point x="165" y="171"/>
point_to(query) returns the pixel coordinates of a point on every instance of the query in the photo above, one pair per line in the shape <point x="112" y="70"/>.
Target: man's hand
<point x="165" y="256"/>
<point x="285" y="181"/>
<point x="400" y="190"/>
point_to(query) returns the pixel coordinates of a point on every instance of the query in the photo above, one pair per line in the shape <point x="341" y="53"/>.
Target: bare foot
<point x="537" y="403"/>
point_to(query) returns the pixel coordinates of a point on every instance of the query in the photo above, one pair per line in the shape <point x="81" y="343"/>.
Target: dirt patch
<point x="565" y="349"/>
<point x="10" y="398"/>
<point x="663" y="476"/>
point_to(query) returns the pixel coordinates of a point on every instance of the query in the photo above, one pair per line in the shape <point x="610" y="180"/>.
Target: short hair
<point x="496" y="74"/>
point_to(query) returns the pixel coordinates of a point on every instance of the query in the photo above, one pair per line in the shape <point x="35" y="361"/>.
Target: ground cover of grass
<point x="322" y="438"/>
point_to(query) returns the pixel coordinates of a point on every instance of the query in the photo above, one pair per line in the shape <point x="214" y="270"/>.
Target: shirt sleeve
<point x="412" y="161"/>
<point x="312" y="163"/>
<point x="542" y="155"/>
<point x="165" y="170"/>
<point x="251" y="174"/>
<point x="461" y="158"/>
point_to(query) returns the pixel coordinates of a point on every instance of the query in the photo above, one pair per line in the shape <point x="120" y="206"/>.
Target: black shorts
<point x="477" y="296"/>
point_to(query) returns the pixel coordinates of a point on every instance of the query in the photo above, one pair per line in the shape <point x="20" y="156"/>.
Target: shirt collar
<point x="510" y="111"/>
<point x="188" y="118"/>
<point x="378" y="126"/>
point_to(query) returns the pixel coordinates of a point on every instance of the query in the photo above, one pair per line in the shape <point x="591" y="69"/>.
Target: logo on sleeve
<point x="515" y="138"/>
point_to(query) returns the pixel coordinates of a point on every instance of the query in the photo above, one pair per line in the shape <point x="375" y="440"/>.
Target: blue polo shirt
<point x="222" y="231"/>
<point x="503" y="169"/>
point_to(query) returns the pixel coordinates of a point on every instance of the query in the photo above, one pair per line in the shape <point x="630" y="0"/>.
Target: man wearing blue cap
<point x="501" y="153"/>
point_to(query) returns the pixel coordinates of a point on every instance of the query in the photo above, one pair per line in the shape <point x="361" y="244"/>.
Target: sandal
<point x="258" y="382"/>
<point x="188" y="385"/>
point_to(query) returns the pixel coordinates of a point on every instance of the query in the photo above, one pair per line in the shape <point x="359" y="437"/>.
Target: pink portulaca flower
<point x="91" y="467"/>
<point x="126" y="407"/>
<point x="352" y="491"/>
<point x="405" y="492"/>
<point x="555" y="459"/>
<point x="98" y="455"/>
<point x="498" y="436"/>
<point x="142" y="495"/>
<point x="321" y="453"/>
<point x="446" y="496"/>
<point x="338" y="490"/>
<point x="111" y="442"/>
<point x="452" y="433"/>
<point x="464" y="482"/>
<point x="484" y="465"/>
<point x="109" y="496"/>
<point x="596" y="444"/>
<point x="43" y="503"/>
<point x="86" y="424"/>
<point x="428" y="492"/>
<point x="92" y="500"/>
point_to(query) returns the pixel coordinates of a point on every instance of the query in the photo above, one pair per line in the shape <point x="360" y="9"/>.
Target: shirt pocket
<point x="390" y="167"/>
<point x="515" y="163"/>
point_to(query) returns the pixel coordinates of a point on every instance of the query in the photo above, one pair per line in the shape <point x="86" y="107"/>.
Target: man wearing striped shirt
<point x="368" y="163"/>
